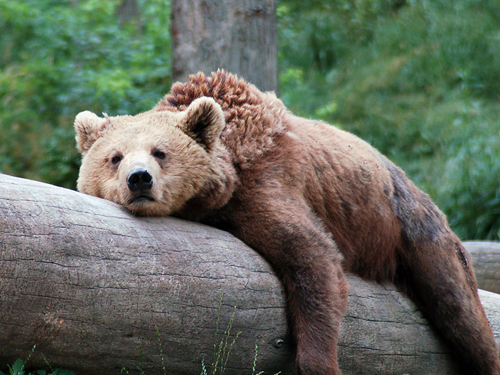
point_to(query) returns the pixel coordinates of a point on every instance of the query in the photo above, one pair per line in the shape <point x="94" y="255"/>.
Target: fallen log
<point x="486" y="261"/>
<point x="98" y="290"/>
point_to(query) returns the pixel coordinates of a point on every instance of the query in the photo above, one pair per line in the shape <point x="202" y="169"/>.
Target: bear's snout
<point x="139" y="179"/>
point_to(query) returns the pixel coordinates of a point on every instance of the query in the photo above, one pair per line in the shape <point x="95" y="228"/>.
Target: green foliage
<point x="419" y="80"/>
<point x="58" y="58"/>
<point x="18" y="368"/>
<point x="469" y="185"/>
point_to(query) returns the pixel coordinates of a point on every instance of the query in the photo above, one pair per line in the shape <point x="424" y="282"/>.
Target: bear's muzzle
<point x="139" y="180"/>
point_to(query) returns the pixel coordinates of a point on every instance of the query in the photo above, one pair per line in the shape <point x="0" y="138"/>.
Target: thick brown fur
<point x="314" y="200"/>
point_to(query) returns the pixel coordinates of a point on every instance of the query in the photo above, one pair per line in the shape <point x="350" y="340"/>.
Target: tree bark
<point x="237" y="36"/>
<point x="97" y="290"/>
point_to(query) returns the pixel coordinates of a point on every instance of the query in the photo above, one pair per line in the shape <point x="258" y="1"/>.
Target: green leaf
<point x="17" y="368"/>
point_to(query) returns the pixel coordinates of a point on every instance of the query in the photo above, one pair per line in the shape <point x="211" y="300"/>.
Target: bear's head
<point x="155" y="162"/>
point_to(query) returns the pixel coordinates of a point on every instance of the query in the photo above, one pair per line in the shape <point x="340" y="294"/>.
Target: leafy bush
<point x="61" y="57"/>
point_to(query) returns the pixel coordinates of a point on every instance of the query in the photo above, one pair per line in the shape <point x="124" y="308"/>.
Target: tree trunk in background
<point x="128" y="11"/>
<point x="97" y="290"/>
<point x="239" y="36"/>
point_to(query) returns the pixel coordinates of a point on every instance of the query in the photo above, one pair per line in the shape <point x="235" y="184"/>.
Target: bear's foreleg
<point x="304" y="256"/>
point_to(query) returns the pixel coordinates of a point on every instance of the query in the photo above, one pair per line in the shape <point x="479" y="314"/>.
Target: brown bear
<point x="314" y="200"/>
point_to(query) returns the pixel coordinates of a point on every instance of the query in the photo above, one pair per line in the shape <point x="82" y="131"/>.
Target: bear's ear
<point x="203" y="121"/>
<point x="89" y="128"/>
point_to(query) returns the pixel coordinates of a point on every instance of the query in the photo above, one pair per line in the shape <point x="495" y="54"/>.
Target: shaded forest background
<point x="419" y="79"/>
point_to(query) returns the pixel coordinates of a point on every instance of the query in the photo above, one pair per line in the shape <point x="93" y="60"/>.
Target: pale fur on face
<point x="175" y="148"/>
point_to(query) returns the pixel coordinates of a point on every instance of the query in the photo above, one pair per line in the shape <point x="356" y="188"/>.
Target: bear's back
<point x="253" y="118"/>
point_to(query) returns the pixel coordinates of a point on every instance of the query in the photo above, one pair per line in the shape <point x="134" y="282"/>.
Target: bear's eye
<point x="116" y="159"/>
<point x="159" y="154"/>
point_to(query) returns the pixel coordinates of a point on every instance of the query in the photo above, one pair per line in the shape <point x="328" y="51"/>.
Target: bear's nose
<point x="139" y="179"/>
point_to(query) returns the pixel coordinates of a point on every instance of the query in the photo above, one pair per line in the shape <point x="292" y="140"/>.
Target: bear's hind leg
<point x="437" y="275"/>
<point x="436" y="272"/>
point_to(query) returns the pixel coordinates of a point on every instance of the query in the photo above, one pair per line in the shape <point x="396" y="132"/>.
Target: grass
<point x="222" y="352"/>
<point x="18" y="368"/>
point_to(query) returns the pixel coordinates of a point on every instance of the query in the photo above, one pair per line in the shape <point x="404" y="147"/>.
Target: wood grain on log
<point x="97" y="290"/>
<point x="486" y="260"/>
